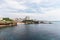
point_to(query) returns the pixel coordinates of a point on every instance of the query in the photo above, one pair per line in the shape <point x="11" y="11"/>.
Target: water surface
<point x="31" y="32"/>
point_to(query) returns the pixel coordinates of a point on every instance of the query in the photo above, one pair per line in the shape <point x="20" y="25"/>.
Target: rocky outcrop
<point x="7" y="23"/>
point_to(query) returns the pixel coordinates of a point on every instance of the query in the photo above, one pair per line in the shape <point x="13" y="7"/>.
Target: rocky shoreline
<point x="7" y="23"/>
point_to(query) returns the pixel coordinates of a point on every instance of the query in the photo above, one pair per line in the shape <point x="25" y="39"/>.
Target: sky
<point x="37" y="9"/>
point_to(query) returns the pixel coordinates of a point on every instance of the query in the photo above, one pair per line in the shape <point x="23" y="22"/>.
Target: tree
<point x="7" y="19"/>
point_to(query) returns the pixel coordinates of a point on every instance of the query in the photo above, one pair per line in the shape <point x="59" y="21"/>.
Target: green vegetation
<point x="7" y="19"/>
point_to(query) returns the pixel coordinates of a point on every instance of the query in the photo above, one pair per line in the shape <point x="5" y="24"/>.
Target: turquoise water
<point x="31" y="32"/>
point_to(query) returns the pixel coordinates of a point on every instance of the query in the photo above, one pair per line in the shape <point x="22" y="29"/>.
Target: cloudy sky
<point x="38" y="9"/>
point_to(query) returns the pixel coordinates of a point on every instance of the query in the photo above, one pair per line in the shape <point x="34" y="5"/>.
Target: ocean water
<point x="31" y="32"/>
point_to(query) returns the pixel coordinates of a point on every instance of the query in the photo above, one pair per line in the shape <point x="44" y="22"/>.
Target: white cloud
<point x="52" y="16"/>
<point x="1" y="16"/>
<point x="37" y="1"/>
<point x="15" y="4"/>
<point x="47" y="7"/>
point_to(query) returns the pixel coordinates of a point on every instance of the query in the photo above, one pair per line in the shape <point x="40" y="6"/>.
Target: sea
<point x="31" y="32"/>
